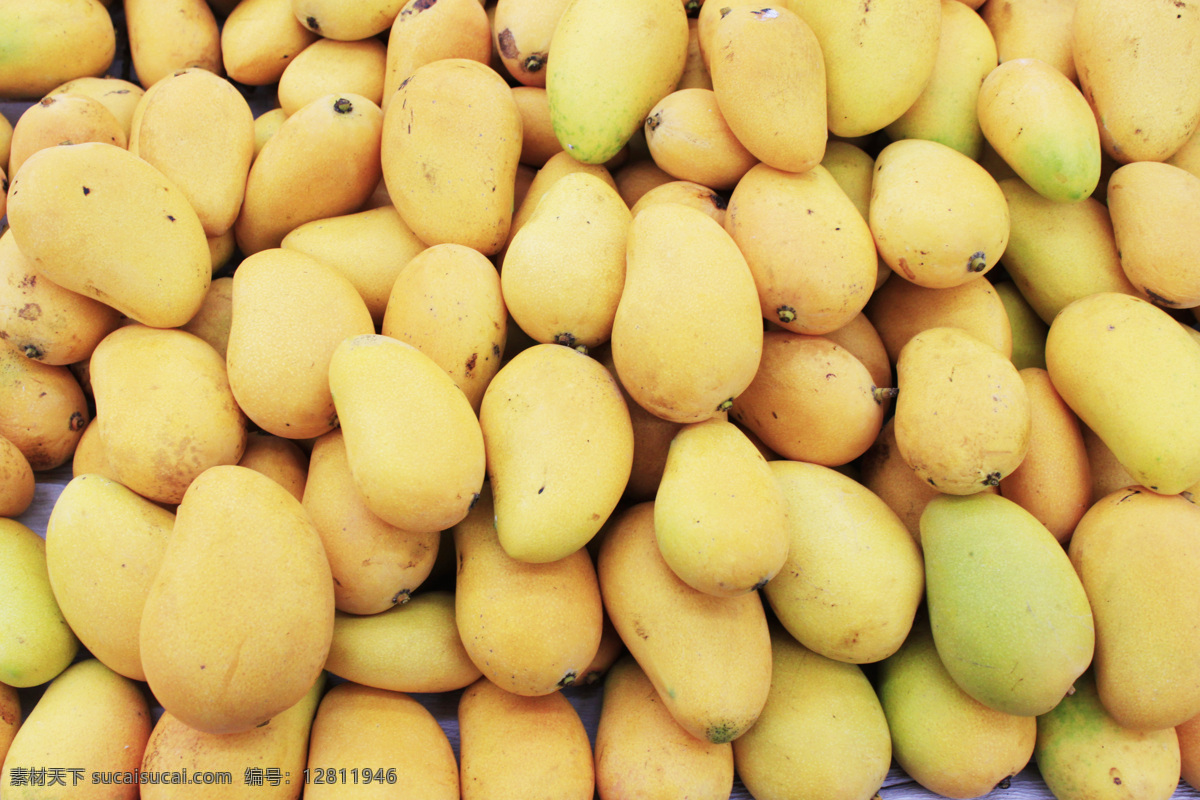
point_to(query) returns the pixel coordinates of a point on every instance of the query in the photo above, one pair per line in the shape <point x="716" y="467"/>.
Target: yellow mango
<point x="564" y="271"/>
<point x="281" y="744"/>
<point x="49" y="43"/>
<point x="822" y="733"/>
<point x="16" y="480"/>
<point x="451" y="281"/>
<point x="375" y="565"/>
<point x="424" y="32"/>
<point x="414" y="445"/>
<point x="62" y="119"/>
<point x="768" y="77"/>
<point x="267" y="125"/>
<point x="1155" y="210"/>
<point x="1107" y="473"/>
<point x="289" y="314"/>
<point x="118" y="95"/>
<point x="943" y="738"/>
<point x="877" y="59"/>
<point x="557" y="166"/>
<point x="98" y="220"/>
<point x="1134" y="551"/>
<point x="43" y="320"/>
<point x="212" y="322"/>
<point x="406" y="748"/>
<point x="1189" y="750"/>
<point x="1143" y="408"/>
<point x="258" y="40"/>
<point x="688" y="193"/>
<point x="938" y="218"/>
<point x="368" y="247"/>
<point x="412" y="647"/>
<point x="522" y="746"/>
<point x="1133" y="63"/>
<point x="44" y="410"/>
<point x="451" y="145"/>
<point x="1059" y="252"/>
<point x="90" y="723"/>
<point x="1037" y="120"/>
<point x="608" y="64"/>
<point x="89" y="457"/>
<point x="522" y="30"/>
<point x="945" y="111"/>
<point x="198" y="130"/>
<point x="239" y="618"/>
<point x="1054" y="480"/>
<point x="854" y="170"/>
<point x="104" y="545"/>
<point x="685" y="368"/>
<point x="635" y="178"/>
<point x="336" y="20"/>
<point x="853" y="579"/>
<point x="1038" y="29"/>
<point x="172" y="414"/>
<point x="811" y="400"/>
<point x="328" y="66"/>
<point x="322" y="162"/>
<point x="281" y="460"/>
<point x="719" y="516"/>
<point x="690" y="139"/>
<point x="695" y="69"/>
<point x="809" y="249"/>
<point x="642" y="751"/>
<point x="709" y="658"/>
<point x="885" y="472"/>
<point x="962" y="414"/>
<point x="170" y="35"/>
<point x="538" y="142"/>
<point x="37" y="644"/>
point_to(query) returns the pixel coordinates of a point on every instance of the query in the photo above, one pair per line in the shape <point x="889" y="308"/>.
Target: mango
<point x="719" y="516"/>
<point x="708" y="657"/>
<point x="1189" y="751"/>
<point x="962" y="413"/>
<point x="412" y="647"/>
<point x="522" y="30"/>
<point x="281" y="744"/>
<point x="37" y="643"/>
<point x="44" y="409"/>
<point x="281" y="460"/>
<point x="330" y="65"/>
<point x="335" y="20"/>
<point x="238" y="620"/>
<point x="118" y="95"/>
<point x="1096" y="356"/>
<point x="215" y="316"/>
<point x="451" y="145"/>
<point x="938" y="218"/>
<point x="375" y="565"/>
<point x="10" y="717"/>
<point x="166" y="409"/>
<point x="689" y="138"/>
<point x="642" y="751"/>
<point x="1132" y="551"/>
<point x="1038" y="29"/>
<point x="47" y="44"/>
<point x="854" y="577"/>
<point x="62" y="119"/>
<point x="289" y="314"/>
<point x="685" y="368"/>
<point x="1010" y="618"/>
<point x="1028" y="329"/>
<point x="406" y="747"/>
<point x="89" y="719"/>
<point x="822" y="733"/>
<point x="413" y="443"/>
<point x="258" y="40"/>
<point x="884" y="471"/>
<point x="531" y="629"/>
<point x="687" y="193"/>
<point x="165" y="37"/>
<point x="104" y="545"/>
<point x="559" y="445"/>
<point x="944" y="739"/>
<point x="813" y="271"/>
<point x="564" y="270"/>
<point x="527" y="746"/>
<point x="1083" y="752"/>
<point x="98" y="220"/>
<point x="608" y="64"/>
<point x="16" y="480"/>
<point x="423" y="32"/>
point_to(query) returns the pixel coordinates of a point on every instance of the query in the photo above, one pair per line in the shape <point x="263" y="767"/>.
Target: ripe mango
<point x="47" y="44"/>
<point x="239" y="618"/>
<point x="1010" y="618"/>
<point x="1144" y="409"/>
<point x="37" y="644"/>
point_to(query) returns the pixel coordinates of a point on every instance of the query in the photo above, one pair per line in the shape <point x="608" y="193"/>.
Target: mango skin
<point x="1143" y="408"/>
<point x="1133" y="551"/>
<point x="1082" y="752"/>
<point x="239" y="618"/>
<point x="609" y="63"/>
<point x="97" y="220"/>
<point x="47" y="44"/>
<point x="30" y="608"/>
<point x="1010" y="618"/>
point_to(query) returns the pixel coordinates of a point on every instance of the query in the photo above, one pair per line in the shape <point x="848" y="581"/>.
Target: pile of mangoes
<point x="819" y="375"/>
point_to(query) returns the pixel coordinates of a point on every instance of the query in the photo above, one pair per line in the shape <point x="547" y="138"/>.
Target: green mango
<point x="36" y="644"/>
<point x="1028" y="329"/>
<point x="1082" y="752"/>
<point x="943" y="738"/>
<point x="1009" y="615"/>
